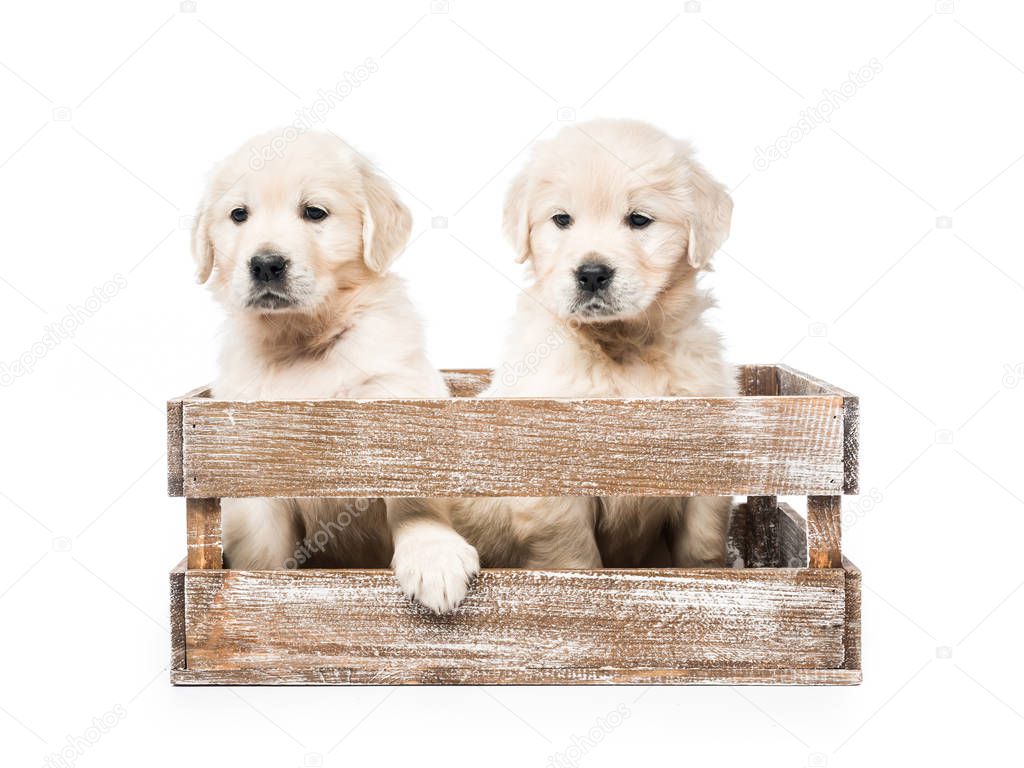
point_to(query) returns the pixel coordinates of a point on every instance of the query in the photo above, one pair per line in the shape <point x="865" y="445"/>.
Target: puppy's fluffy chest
<point x="636" y="372"/>
<point x="244" y="376"/>
<point x="554" y="360"/>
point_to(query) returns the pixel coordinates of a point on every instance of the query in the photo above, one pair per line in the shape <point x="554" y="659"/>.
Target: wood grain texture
<point x="513" y="447"/>
<point x="852" y="639"/>
<point x="515" y="626"/>
<point x="792" y="538"/>
<point x="540" y="676"/>
<point x="824" y="532"/>
<point x="174" y="457"/>
<point x="790" y="434"/>
<point x="203" y="532"/>
<point x="851" y="445"/>
<point x="761" y="543"/>
<point x="792" y="541"/>
<point x="174" y="466"/>
<point x="794" y="382"/>
<point x="758" y="380"/>
<point x="177" y="584"/>
<point x="761" y="548"/>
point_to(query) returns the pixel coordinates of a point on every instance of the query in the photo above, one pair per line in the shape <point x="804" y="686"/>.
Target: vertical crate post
<point x="824" y="532"/>
<point x="205" y="549"/>
<point x="202" y="515"/>
<point x="761" y="542"/>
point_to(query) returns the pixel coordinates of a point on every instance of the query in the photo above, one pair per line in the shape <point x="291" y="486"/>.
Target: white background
<point x="840" y="263"/>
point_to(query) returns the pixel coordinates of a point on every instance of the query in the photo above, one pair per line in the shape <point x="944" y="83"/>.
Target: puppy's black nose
<point x="591" y="278"/>
<point x="268" y="267"/>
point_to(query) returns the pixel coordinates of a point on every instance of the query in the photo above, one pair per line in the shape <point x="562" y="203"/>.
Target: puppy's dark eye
<point x="312" y="213"/>
<point x="238" y="215"/>
<point x="638" y="220"/>
<point x="562" y="220"/>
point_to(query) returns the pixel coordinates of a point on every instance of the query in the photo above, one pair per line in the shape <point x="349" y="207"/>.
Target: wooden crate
<point x="788" y="614"/>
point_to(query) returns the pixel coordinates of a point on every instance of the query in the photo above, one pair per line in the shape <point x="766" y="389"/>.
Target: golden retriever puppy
<point x="615" y="220"/>
<point x="296" y="249"/>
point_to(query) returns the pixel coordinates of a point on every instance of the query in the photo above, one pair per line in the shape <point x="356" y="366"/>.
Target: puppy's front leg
<point x="433" y="563"/>
<point x="699" y="532"/>
<point x="259" y="534"/>
<point x="563" y="535"/>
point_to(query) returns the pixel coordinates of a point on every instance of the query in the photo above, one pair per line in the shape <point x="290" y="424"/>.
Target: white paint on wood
<point x="513" y="447"/>
<point x="517" y="620"/>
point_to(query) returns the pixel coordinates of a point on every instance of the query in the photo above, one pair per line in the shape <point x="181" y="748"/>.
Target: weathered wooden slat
<point x="177" y="584"/>
<point x="761" y="548"/>
<point x="467" y="382"/>
<point x="514" y="447"/>
<point x="852" y="629"/>
<point x="792" y="538"/>
<point x="793" y="554"/>
<point x="515" y="624"/>
<point x="205" y="547"/>
<point x="174" y="466"/>
<point x="539" y="676"/>
<point x="758" y="380"/>
<point x="851" y="445"/>
<point x="794" y="382"/>
<point x="824" y="532"/>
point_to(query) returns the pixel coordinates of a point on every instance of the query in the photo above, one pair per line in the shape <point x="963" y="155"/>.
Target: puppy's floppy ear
<point x="516" y="217"/>
<point x="386" y="221"/>
<point x="709" y="228"/>
<point x="202" y="245"/>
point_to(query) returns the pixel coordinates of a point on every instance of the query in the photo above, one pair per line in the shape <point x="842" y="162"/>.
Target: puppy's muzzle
<point x="593" y="277"/>
<point x="268" y="268"/>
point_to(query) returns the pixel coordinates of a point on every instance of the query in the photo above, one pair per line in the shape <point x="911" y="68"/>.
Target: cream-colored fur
<point x="337" y="326"/>
<point x="643" y="336"/>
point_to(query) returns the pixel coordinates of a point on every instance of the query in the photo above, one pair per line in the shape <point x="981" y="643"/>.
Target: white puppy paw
<point x="434" y="565"/>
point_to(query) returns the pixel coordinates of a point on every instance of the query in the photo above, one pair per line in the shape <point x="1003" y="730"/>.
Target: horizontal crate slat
<point x="514" y="447"/>
<point x="350" y="626"/>
<point x="602" y="676"/>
